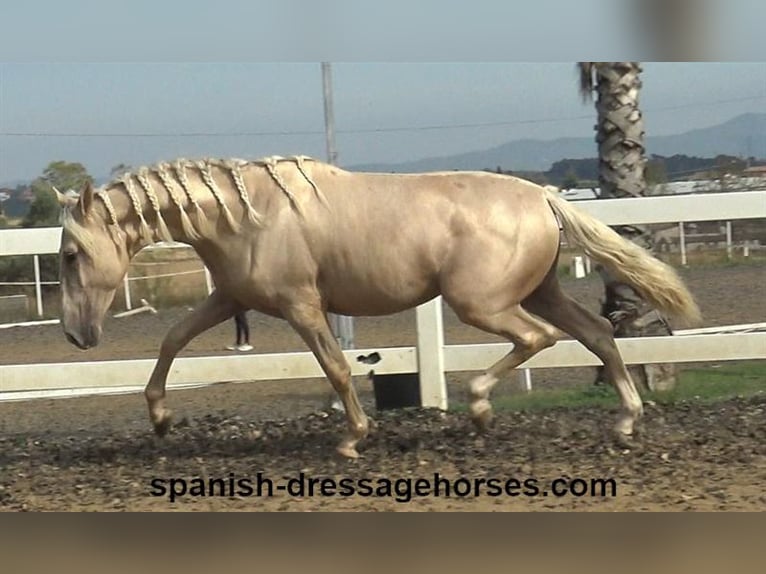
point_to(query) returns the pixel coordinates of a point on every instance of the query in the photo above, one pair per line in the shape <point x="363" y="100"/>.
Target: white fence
<point x="431" y="358"/>
<point x="45" y="241"/>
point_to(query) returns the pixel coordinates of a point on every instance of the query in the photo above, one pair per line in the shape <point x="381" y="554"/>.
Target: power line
<point x="433" y="127"/>
<point x="157" y="134"/>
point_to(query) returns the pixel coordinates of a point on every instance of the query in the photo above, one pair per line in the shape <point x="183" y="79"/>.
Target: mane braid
<point x="202" y="223"/>
<point x="162" y="228"/>
<point x="207" y="177"/>
<point x="145" y="231"/>
<point x="270" y="165"/>
<point x="101" y="194"/>
<point x="236" y="174"/>
<point x="299" y="164"/>
<point x="186" y="224"/>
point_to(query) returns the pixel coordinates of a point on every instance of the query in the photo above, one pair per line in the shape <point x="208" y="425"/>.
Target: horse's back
<point x="398" y="239"/>
<point x="395" y="191"/>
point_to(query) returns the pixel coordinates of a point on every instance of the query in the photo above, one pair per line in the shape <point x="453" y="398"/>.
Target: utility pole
<point x="342" y="326"/>
<point x="329" y="115"/>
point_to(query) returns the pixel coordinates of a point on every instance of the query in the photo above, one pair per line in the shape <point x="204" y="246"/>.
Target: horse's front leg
<point x="310" y="321"/>
<point x="215" y="309"/>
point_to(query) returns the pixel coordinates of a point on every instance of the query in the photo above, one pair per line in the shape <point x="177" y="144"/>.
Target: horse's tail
<point x="655" y="281"/>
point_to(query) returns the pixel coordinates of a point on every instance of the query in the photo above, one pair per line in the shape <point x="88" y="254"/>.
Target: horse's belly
<point x="360" y="298"/>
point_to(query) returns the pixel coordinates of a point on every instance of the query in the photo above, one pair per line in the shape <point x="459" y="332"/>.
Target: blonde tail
<point x="655" y="281"/>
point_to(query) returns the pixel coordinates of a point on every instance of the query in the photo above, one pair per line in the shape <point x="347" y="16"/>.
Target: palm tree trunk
<point x="621" y="152"/>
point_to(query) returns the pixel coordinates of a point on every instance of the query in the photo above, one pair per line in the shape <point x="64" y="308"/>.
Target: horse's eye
<point x="70" y="255"/>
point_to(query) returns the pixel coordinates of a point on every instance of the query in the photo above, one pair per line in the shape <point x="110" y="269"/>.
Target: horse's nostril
<point x="75" y="341"/>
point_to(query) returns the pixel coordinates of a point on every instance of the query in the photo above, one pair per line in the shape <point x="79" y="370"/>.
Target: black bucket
<point x="396" y="391"/>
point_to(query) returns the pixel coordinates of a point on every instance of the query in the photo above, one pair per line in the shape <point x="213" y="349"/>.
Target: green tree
<point x="44" y="210"/>
<point x="570" y="180"/>
<point x="656" y="172"/>
<point x="64" y="176"/>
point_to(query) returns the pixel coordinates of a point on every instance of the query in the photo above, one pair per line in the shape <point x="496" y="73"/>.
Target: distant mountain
<point x="743" y="135"/>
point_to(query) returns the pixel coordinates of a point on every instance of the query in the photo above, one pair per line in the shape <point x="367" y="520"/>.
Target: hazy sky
<point x="430" y="109"/>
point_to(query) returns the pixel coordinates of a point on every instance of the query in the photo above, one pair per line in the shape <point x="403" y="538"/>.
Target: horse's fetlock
<point x="481" y="385"/>
<point x="153" y="395"/>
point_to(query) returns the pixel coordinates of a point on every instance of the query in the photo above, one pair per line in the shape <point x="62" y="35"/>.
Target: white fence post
<point x="433" y="383"/>
<point x="208" y="281"/>
<point x="682" y="240"/>
<point x="126" y="289"/>
<point x="728" y="240"/>
<point x="579" y="267"/>
<point x="526" y="379"/>
<point x="343" y="329"/>
<point x="38" y="288"/>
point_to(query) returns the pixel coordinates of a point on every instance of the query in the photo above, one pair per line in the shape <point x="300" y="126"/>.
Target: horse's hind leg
<point x="215" y="309"/>
<point x="529" y="336"/>
<point x="552" y="304"/>
<point x="310" y="321"/>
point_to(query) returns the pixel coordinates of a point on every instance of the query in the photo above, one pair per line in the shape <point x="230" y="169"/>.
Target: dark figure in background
<point x="633" y="317"/>
<point x="243" y="333"/>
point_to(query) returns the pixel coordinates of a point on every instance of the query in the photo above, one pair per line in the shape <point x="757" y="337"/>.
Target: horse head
<point x="93" y="260"/>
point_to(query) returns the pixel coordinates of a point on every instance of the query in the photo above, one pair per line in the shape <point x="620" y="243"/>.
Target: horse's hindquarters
<point x="504" y="259"/>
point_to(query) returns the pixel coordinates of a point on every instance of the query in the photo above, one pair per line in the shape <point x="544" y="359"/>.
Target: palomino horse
<point x="296" y="239"/>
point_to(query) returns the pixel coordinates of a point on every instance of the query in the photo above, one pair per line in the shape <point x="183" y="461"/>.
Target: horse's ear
<point x="64" y="201"/>
<point x="86" y="199"/>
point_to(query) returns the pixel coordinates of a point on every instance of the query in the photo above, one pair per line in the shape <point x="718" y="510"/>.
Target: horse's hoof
<point x="347" y="451"/>
<point x="622" y="440"/>
<point x="625" y="425"/>
<point x="481" y="414"/>
<point x="162" y="427"/>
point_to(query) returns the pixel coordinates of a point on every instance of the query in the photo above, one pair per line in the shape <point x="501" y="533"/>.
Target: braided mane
<point x="173" y="178"/>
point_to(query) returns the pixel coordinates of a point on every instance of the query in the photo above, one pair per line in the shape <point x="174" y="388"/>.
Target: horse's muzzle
<point x="83" y="343"/>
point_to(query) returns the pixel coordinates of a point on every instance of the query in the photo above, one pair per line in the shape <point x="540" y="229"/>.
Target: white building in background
<point x="679" y="187"/>
<point x="732" y="183"/>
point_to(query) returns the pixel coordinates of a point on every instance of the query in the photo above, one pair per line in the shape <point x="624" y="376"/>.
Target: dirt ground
<point x="98" y="453"/>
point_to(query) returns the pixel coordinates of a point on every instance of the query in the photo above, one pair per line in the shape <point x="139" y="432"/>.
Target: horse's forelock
<point x="78" y="232"/>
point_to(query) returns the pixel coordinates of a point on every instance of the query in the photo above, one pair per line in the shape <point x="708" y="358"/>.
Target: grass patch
<point x="705" y="385"/>
<point x="719" y="382"/>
